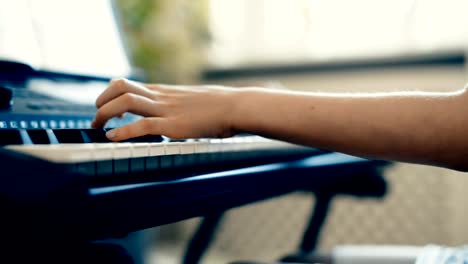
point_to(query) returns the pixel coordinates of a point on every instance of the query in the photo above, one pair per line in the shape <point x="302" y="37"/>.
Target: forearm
<point x="425" y="128"/>
<point x="429" y="128"/>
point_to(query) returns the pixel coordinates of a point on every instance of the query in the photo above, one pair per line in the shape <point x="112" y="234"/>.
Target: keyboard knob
<point x="6" y="98"/>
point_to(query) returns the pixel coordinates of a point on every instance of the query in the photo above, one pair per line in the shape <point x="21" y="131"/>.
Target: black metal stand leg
<point x="312" y="233"/>
<point x="318" y="216"/>
<point x="202" y="238"/>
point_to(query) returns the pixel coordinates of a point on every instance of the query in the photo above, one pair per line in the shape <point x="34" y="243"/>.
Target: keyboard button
<point x="34" y="124"/>
<point x="43" y="124"/>
<point x="71" y="124"/>
<point x="80" y="124"/>
<point x="23" y="124"/>
<point x="52" y="124"/>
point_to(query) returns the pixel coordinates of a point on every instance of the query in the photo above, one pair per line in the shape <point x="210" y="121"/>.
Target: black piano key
<point x="95" y="135"/>
<point x="39" y="136"/>
<point x="146" y="138"/>
<point x="68" y="135"/>
<point x="85" y="137"/>
<point x="10" y="137"/>
<point x="99" y="136"/>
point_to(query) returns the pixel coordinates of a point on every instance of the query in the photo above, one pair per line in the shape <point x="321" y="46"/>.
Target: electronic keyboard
<point x="88" y="151"/>
<point x="64" y="185"/>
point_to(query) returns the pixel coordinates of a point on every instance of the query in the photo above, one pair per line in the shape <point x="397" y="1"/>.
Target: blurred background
<point x="313" y="45"/>
<point x="310" y="45"/>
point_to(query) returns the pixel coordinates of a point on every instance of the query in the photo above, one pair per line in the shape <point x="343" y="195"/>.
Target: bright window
<point x="278" y="31"/>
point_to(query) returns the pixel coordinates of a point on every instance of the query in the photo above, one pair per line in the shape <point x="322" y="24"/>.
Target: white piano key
<point x="140" y="150"/>
<point x="187" y="147"/>
<point x="62" y="153"/>
<point x="157" y="155"/>
<point x="122" y="150"/>
<point x="172" y="148"/>
<point x="201" y="150"/>
<point x="121" y="154"/>
<point x="103" y="151"/>
<point x="215" y="145"/>
<point x="202" y="146"/>
<point x="157" y="149"/>
<point x="239" y="144"/>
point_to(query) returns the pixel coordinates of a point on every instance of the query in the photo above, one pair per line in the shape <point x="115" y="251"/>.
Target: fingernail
<point x="111" y="134"/>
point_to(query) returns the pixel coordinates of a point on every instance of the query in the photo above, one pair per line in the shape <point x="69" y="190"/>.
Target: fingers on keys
<point x="127" y="102"/>
<point x="119" y="87"/>
<point x="145" y="126"/>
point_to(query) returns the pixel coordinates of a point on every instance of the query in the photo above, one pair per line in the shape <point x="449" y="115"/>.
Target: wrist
<point x="245" y="104"/>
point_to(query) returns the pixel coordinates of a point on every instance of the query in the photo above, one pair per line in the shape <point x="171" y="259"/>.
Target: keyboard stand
<point x="366" y="183"/>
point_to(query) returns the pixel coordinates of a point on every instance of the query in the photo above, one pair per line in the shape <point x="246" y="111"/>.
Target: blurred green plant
<point x="167" y="38"/>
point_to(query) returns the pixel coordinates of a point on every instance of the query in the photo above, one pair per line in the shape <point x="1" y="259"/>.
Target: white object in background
<point x="375" y="254"/>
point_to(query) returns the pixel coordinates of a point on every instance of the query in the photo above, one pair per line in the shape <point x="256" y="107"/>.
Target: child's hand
<point x="173" y="111"/>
